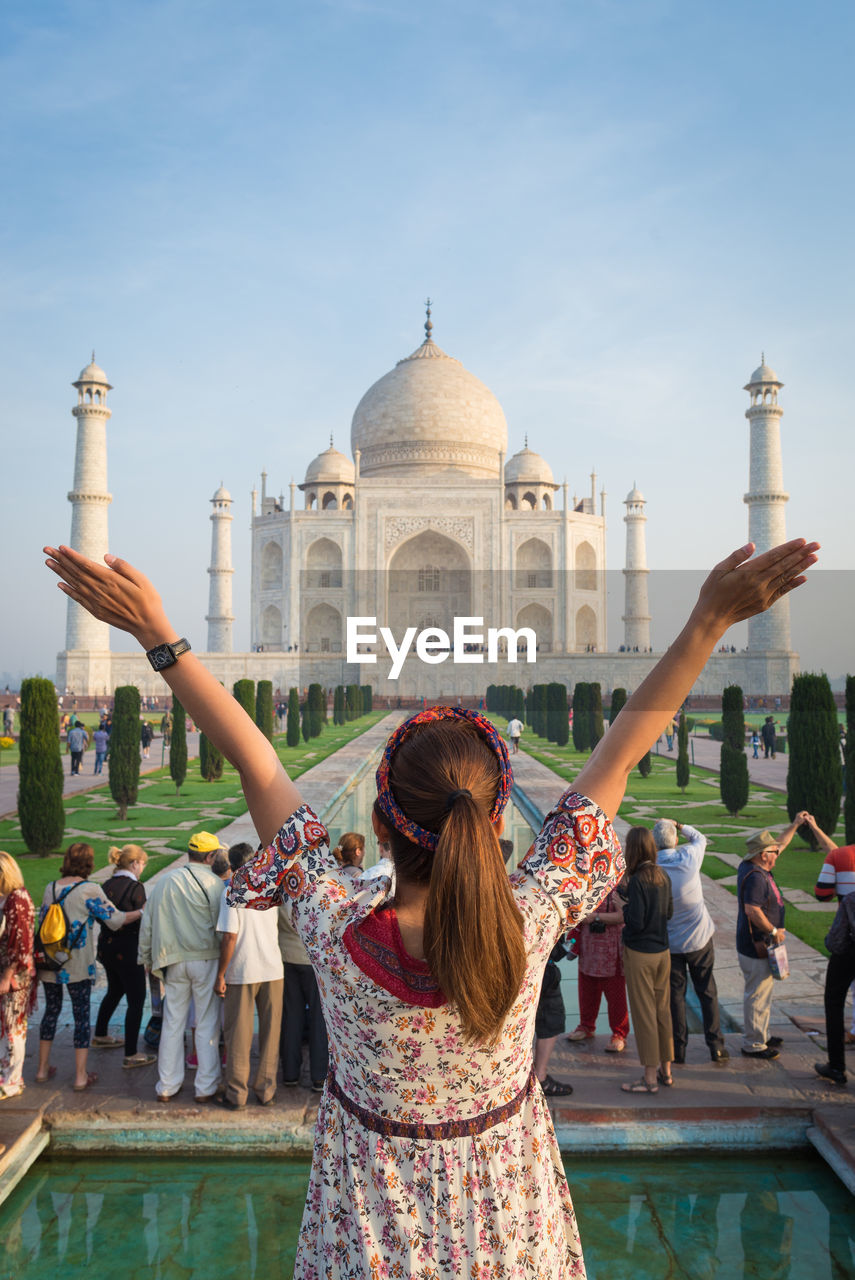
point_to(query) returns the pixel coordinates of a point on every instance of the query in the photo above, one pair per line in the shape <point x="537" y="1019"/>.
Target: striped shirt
<point x="837" y="875"/>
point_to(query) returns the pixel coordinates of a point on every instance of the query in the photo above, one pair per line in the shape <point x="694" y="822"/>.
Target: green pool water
<point x="783" y="1217"/>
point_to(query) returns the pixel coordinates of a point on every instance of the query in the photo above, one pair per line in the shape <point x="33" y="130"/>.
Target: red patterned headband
<point x="387" y="802"/>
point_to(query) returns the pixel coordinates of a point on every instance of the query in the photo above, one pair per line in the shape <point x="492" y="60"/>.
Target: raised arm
<point x="119" y="594"/>
<point x="737" y="588"/>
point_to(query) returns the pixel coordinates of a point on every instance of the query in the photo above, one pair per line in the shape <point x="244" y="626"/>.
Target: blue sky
<point x="615" y="206"/>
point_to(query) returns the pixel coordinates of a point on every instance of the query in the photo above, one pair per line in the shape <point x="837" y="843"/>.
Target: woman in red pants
<point x="598" y="945"/>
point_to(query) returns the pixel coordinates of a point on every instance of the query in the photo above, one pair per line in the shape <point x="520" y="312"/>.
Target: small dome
<point x="222" y="495"/>
<point x="764" y="374"/>
<point x="527" y="467"/>
<point x="330" y="467"/>
<point x="635" y="495"/>
<point x="93" y="373"/>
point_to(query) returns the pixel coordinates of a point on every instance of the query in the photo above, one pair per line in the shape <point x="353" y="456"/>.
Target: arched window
<point x="547" y="502"/>
<point x="586" y="629"/>
<point x="311" y="499"/>
<point x="347" y="502"/>
<point x="540" y="621"/>
<point x="323" y="564"/>
<point x="322" y="630"/>
<point x="329" y="502"/>
<point x="271" y="566"/>
<point x="529" y="501"/>
<point x="271" y="627"/>
<point x="586" y="567"/>
<point x="510" y="502"/>
<point x="533" y="565"/>
<point x="429" y="578"/>
<point x="97" y="397"/>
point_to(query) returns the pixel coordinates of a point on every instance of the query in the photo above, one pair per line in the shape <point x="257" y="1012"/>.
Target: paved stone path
<point x="744" y="1103"/>
<point x="86" y="780"/>
<point x="766" y="773"/>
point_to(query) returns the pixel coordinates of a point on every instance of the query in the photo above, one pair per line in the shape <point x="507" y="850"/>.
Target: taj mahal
<point x="429" y="534"/>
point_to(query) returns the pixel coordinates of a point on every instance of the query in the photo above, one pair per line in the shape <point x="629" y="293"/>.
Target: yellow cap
<point x="203" y="842"/>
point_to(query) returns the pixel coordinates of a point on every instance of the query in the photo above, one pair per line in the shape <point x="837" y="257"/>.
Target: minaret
<point x="220" y="616"/>
<point x="766" y="499"/>
<point x="636" y="618"/>
<point x="89" y="499"/>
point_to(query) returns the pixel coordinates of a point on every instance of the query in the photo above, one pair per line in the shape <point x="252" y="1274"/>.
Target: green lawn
<point x="659" y="796"/>
<point x="163" y="820"/>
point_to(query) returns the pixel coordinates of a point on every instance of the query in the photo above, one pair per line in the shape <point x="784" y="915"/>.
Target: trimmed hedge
<point x="263" y="709"/>
<point x="210" y="759"/>
<point x="40" y="775"/>
<point x="178" y="745"/>
<point x="814" y="775"/>
<point x="125" y="748"/>
<point x="733" y="782"/>
<point x="292" y="725"/>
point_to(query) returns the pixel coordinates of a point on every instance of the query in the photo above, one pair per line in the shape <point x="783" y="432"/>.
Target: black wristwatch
<point x="164" y="655"/>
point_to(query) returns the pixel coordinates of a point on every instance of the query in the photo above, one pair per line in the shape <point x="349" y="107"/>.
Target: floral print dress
<point x="432" y="1157"/>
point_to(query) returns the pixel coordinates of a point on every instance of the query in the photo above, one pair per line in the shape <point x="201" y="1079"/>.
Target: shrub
<point x="352" y="701"/>
<point x="556" y="710"/>
<point x="717" y="731"/>
<point x="305" y="721"/>
<point x="733" y="763"/>
<point x="683" y="754"/>
<point x="539" y="710"/>
<point x="292" y="726"/>
<point x="125" y="748"/>
<point x="849" y="768"/>
<point x="263" y="710"/>
<point x="210" y="759"/>
<point x="317" y="708"/>
<point x="178" y="745"/>
<point x="595" y="714"/>
<point x="581" y="724"/>
<point x="367" y="699"/>
<point x="244" y="692"/>
<point x="814" y="776"/>
<point x="618" y="701"/>
<point x="645" y="764"/>
<point x="338" y="705"/>
<point x="40" y="777"/>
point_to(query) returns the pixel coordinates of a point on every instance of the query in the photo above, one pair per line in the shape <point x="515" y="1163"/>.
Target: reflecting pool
<point x="782" y="1217"/>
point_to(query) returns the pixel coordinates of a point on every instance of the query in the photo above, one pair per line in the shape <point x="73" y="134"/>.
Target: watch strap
<point x="166" y="655"/>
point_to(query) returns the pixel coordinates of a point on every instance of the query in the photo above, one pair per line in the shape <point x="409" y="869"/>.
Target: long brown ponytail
<point x="445" y="778"/>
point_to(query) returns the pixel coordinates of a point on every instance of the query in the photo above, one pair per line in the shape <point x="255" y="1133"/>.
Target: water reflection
<point x="782" y="1218"/>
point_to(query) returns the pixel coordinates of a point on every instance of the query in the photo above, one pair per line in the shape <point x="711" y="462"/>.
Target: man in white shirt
<point x="515" y="728"/>
<point x="690" y="935"/>
<point x="249" y="977"/>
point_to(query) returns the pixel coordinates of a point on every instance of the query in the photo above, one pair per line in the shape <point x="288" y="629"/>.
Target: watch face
<point x="161" y="657"/>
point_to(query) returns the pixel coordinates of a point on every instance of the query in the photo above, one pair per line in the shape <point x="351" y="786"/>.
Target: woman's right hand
<point x="114" y="592"/>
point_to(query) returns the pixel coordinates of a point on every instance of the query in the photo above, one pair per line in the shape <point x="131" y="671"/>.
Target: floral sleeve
<point x="20" y="915"/>
<point x="100" y="908"/>
<point x="576" y="858"/>
<point x="284" y="872"/>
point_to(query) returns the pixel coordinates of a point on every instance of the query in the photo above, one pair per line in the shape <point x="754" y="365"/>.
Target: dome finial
<point x="526" y="440"/>
<point x="93" y="355"/>
<point x="762" y="357"/>
<point x="331" y="440"/>
<point x="428" y="325"/>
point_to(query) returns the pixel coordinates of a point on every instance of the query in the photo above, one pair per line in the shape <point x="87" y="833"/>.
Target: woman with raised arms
<point x="434" y="1149"/>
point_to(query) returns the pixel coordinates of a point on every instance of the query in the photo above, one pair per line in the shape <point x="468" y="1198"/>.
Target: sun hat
<point x="203" y="842"/>
<point x="759" y="841"/>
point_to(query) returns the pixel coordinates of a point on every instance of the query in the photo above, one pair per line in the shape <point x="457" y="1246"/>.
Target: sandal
<point x="640" y="1086"/>
<point x="551" y="1088"/>
<point x="107" y="1042"/>
<point x="51" y="1072"/>
<point x="10" y="1091"/>
<point x="91" y="1078"/>
<point x="139" y="1060"/>
<point x="663" y="1079"/>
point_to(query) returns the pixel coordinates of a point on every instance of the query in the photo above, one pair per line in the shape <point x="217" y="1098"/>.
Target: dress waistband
<point x="444" y="1129"/>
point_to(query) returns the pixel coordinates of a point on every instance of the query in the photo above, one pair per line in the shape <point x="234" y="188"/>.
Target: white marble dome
<point x="635" y="495"/>
<point x="222" y="495"/>
<point x="330" y="467"/>
<point x="93" y="373"/>
<point x="764" y="374"/>
<point x="527" y="467"/>
<point x="429" y="414"/>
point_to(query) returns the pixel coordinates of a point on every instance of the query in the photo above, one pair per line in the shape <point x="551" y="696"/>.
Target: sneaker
<point x="581" y="1033"/>
<point x="719" y="1055"/>
<point x="768" y="1053"/>
<point x="192" y="1061"/>
<point x="617" y="1044"/>
<point x="774" y="1041"/>
<point x="830" y="1073"/>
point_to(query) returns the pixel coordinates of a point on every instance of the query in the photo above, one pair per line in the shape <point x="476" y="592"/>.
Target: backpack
<point x="50" y="942"/>
<point x="840" y="938"/>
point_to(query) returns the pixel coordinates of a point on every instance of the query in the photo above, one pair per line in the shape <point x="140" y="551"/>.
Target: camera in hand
<point x="597" y="926"/>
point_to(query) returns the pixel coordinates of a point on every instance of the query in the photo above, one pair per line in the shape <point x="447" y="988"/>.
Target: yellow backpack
<point x="50" y="945"/>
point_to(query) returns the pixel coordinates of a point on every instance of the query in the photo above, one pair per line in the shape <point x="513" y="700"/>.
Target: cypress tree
<point x="849" y="767"/>
<point x="682" y="753"/>
<point x="367" y="699"/>
<point x="306" y="721"/>
<point x="125" y="748"/>
<point x="40" y="777"/>
<point x="210" y="759"/>
<point x="338" y="704"/>
<point x="292" y="727"/>
<point x="581" y="716"/>
<point x="733" y="765"/>
<point x="618" y="701"/>
<point x="244" y="692"/>
<point x="178" y="745"/>
<point x="316" y="701"/>
<point x="539" y="718"/>
<point x="519" y="704"/>
<point x="554" y="693"/>
<point x="814" y="776"/>
<point x="351" y="703"/>
<point x="596" y="714"/>
<point x="645" y="764"/>
<point x="263" y="709"/>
